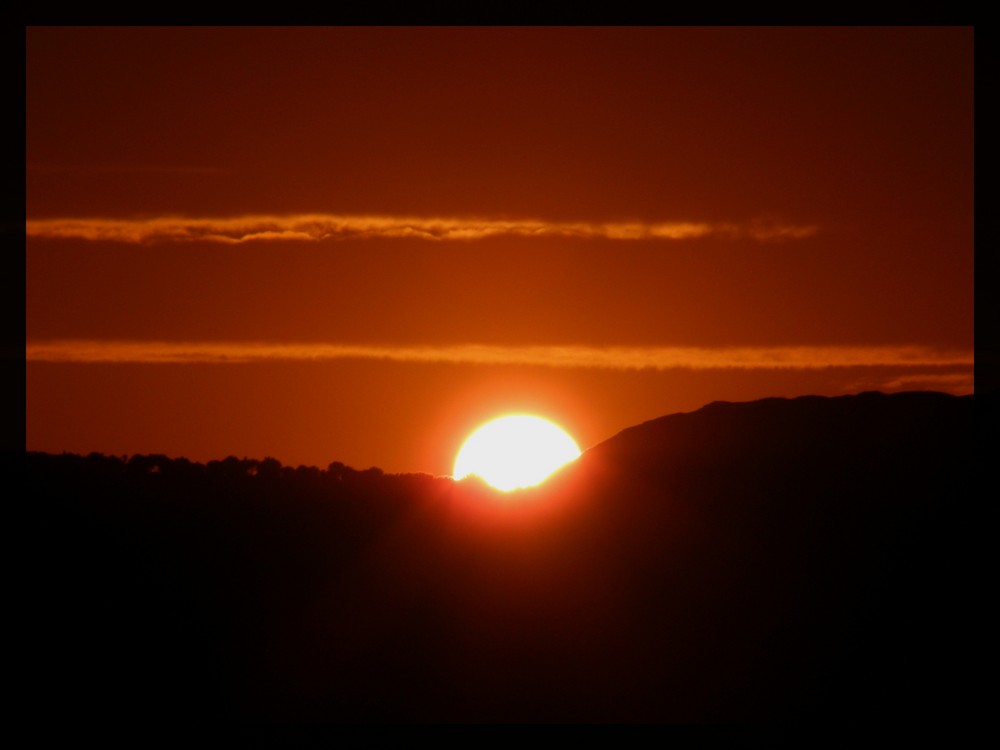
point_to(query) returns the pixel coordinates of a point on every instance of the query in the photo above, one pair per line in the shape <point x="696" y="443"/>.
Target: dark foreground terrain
<point x="773" y="560"/>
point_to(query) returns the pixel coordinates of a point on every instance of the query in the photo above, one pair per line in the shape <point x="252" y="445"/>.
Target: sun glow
<point x="515" y="451"/>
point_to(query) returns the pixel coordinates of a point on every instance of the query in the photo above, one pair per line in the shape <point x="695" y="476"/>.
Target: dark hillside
<point x="807" y="554"/>
<point x="780" y="559"/>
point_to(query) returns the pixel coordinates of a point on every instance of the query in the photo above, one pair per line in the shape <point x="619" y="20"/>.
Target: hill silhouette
<point x="783" y="559"/>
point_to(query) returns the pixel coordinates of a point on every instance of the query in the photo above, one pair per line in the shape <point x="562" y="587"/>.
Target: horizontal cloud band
<point x="572" y="356"/>
<point x="326" y="226"/>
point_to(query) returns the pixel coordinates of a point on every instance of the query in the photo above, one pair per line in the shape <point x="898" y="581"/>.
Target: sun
<point x="515" y="451"/>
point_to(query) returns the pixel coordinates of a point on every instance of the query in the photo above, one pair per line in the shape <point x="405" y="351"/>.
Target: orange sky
<point x="413" y="230"/>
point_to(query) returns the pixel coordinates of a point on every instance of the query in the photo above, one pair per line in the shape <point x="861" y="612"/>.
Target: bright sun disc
<point x="515" y="451"/>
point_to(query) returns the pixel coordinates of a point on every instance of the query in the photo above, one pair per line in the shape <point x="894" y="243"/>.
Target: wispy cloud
<point x="330" y="226"/>
<point x="949" y="382"/>
<point x="571" y="356"/>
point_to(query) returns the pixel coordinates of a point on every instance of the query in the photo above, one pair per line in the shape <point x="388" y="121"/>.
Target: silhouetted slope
<point x="806" y="553"/>
<point x="780" y="559"/>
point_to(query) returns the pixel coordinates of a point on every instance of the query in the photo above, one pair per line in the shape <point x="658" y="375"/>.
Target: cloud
<point x="949" y="382"/>
<point x="570" y="356"/>
<point x="329" y="226"/>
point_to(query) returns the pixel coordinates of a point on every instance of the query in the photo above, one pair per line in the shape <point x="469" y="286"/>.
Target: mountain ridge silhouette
<point x="781" y="559"/>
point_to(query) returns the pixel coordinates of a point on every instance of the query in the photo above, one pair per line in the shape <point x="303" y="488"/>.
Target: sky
<point x="358" y="244"/>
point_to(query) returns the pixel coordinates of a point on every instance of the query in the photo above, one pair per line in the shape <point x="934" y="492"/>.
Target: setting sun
<point x="515" y="451"/>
